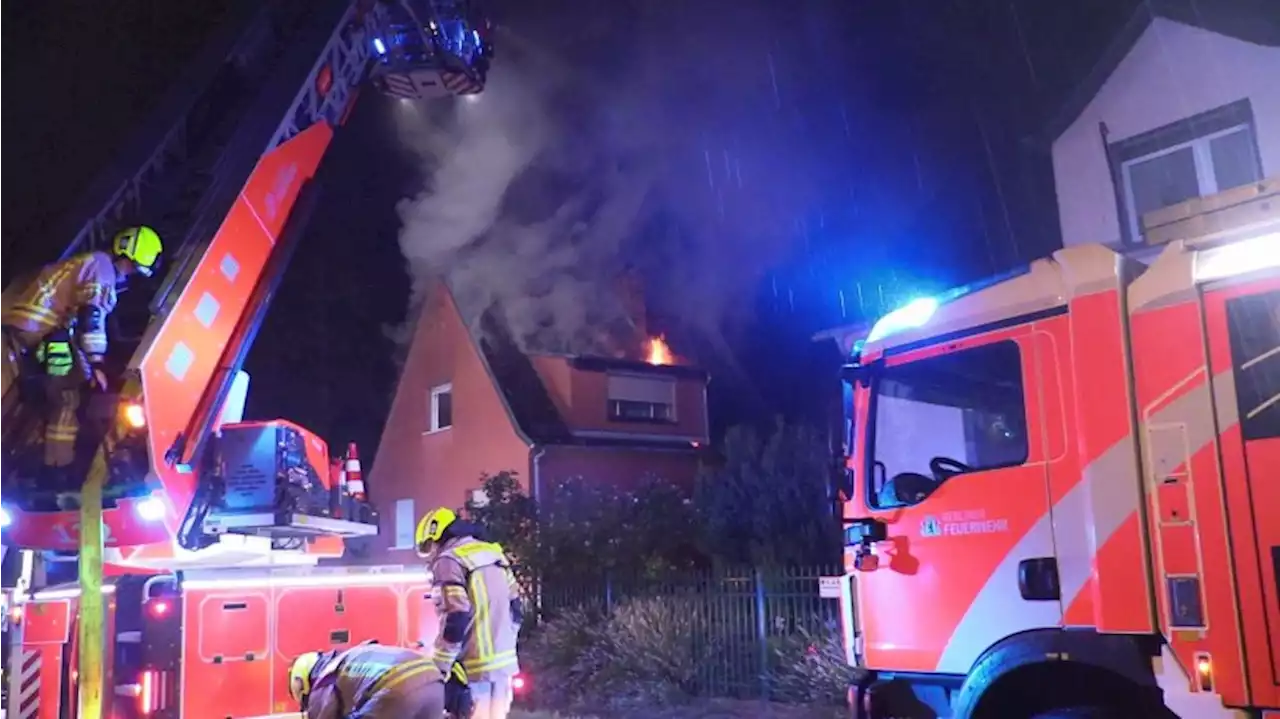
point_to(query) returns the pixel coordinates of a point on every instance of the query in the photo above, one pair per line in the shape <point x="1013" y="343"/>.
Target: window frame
<point x="1202" y="157"/>
<point x="1252" y="429"/>
<point x="433" y="407"/>
<point x="669" y="383"/>
<point x="1196" y="132"/>
<point x="395" y="532"/>
<point x="873" y="402"/>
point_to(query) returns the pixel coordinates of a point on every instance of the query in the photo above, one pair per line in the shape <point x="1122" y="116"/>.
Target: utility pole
<point x="91" y="607"/>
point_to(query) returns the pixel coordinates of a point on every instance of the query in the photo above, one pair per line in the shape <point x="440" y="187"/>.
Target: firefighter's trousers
<point x="492" y="698"/>
<point x="417" y="697"/>
<point x="63" y="421"/>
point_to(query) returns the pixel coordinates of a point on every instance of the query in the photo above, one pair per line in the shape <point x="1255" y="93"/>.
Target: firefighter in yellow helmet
<point x="478" y="602"/>
<point x="59" y="318"/>
<point x="370" y="681"/>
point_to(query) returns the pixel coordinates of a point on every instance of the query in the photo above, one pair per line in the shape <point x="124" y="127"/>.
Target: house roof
<point x="1254" y="21"/>
<point x="529" y="406"/>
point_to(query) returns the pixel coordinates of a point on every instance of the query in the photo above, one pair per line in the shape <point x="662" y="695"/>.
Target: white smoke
<point x="617" y="143"/>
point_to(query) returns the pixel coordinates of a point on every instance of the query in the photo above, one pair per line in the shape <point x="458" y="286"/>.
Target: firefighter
<point x="369" y="681"/>
<point x="478" y="601"/>
<point x="60" y="320"/>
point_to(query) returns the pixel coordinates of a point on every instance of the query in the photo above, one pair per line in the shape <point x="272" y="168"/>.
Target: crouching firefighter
<point x="369" y="681"/>
<point x="478" y="601"/>
<point x="58" y="321"/>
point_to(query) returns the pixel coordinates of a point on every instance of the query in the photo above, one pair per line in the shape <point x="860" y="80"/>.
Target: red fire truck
<point x="1064" y="488"/>
<point x="213" y="528"/>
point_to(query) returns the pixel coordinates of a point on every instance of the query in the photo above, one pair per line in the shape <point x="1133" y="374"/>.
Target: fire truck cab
<point x="1066" y="483"/>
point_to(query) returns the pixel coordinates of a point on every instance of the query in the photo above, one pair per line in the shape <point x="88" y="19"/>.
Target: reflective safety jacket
<point x="478" y="601"/>
<point x="81" y="288"/>
<point x="375" y="681"/>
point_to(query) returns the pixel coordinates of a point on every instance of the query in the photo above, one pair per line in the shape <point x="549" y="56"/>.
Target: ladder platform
<point x="286" y="524"/>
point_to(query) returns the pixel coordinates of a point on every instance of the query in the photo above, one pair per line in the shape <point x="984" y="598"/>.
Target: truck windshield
<point x="946" y="415"/>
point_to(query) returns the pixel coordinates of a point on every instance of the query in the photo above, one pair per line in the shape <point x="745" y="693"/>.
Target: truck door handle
<point x="1038" y="579"/>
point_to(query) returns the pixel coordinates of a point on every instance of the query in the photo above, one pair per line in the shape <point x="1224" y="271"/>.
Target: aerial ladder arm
<point x="229" y="252"/>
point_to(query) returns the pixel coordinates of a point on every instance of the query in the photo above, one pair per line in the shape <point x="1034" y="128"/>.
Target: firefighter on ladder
<point x="60" y="320"/>
<point x="368" y="681"/>
<point x="478" y="601"/>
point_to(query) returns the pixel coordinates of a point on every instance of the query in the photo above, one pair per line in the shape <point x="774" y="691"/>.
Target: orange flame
<point x="659" y="352"/>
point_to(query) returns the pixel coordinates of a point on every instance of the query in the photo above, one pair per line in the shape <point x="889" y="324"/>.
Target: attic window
<point x="441" y="408"/>
<point x="638" y="398"/>
<point x="1198" y="156"/>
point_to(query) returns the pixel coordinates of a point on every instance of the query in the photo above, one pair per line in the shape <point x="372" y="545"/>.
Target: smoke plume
<point x="610" y="138"/>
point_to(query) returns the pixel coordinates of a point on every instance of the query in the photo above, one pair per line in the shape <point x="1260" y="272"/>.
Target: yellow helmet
<point x="432" y="528"/>
<point x="140" y="244"/>
<point x="300" y="676"/>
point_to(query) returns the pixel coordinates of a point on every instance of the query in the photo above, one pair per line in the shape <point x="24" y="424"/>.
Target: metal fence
<point x="742" y="623"/>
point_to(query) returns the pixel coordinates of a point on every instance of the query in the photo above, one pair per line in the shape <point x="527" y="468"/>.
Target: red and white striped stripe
<point x="25" y="691"/>
<point x="459" y="83"/>
<point x="355" y="478"/>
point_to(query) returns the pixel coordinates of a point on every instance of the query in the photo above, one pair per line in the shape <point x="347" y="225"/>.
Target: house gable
<point x="419" y="467"/>
<point x="1171" y="73"/>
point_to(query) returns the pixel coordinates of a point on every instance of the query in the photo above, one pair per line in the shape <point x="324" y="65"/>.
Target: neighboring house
<point x="1184" y="103"/>
<point x="470" y="404"/>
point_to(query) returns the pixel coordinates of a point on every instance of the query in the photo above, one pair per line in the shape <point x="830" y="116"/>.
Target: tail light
<point x="159" y="608"/>
<point x="151" y="691"/>
<point x="518" y="683"/>
<point x="147" y="688"/>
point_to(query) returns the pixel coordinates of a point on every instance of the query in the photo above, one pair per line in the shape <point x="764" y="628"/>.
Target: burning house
<point x="471" y="402"/>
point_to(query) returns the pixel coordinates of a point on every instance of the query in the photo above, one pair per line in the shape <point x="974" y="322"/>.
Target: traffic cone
<point x="355" y="479"/>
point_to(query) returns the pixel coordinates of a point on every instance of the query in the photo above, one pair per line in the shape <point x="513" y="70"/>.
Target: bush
<point x="809" y="667"/>
<point x="642" y="654"/>
<point x="561" y="655"/>
<point x="769" y="503"/>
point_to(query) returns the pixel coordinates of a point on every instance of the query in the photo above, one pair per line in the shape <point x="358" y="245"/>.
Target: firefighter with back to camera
<point x="368" y="681"/>
<point x="59" y="319"/>
<point x="478" y="602"/>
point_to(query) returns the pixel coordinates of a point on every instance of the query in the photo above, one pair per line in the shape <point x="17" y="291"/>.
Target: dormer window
<point x="641" y="398"/>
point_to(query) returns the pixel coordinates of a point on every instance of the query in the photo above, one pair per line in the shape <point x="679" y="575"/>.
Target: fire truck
<point x="1063" y="489"/>
<point x="199" y="564"/>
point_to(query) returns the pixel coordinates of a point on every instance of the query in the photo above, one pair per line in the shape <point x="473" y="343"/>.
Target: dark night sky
<point x="911" y="115"/>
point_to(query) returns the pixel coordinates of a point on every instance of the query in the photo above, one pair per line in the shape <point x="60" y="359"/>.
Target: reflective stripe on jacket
<point x="349" y="680"/>
<point x="474" y="594"/>
<point x="82" y="285"/>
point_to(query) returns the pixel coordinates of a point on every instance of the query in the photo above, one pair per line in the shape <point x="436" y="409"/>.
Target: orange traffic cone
<point x="355" y="479"/>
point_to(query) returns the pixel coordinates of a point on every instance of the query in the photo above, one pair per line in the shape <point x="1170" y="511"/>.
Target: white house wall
<point x="1174" y="71"/>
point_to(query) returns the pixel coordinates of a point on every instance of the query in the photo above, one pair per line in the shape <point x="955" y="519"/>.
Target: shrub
<point x="642" y="654"/>
<point x="561" y="655"/>
<point x="809" y="667"/>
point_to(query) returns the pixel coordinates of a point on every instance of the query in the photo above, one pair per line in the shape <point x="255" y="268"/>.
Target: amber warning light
<point x="658" y="352"/>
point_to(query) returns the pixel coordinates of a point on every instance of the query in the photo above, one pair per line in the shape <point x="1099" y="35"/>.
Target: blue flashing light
<point x="379" y="46"/>
<point x="908" y="317"/>
<point x="917" y="312"/>
<point x="150" y="509"/>
<point x="5" y="518"/>
<point x="475" y="34"/>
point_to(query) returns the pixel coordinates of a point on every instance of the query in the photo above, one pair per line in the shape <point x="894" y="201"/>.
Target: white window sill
<point x="436" y="431"/>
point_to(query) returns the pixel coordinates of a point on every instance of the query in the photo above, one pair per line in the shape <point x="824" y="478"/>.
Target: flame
<point x="659" y="352"/>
